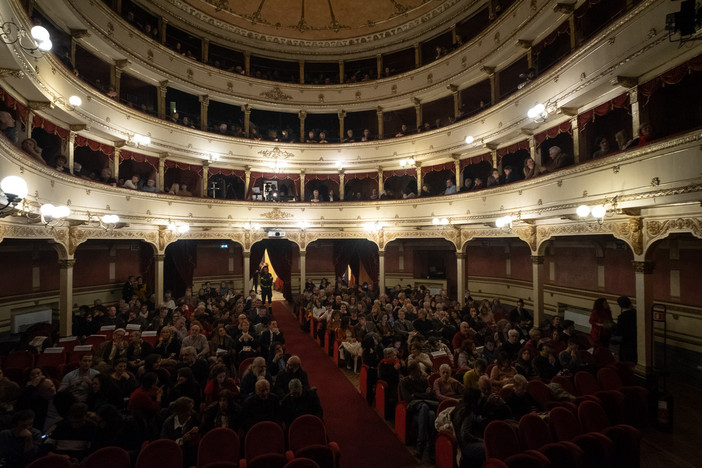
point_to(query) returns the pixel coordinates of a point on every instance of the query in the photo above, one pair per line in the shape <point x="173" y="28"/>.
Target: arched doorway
<point x="280" y="255"/>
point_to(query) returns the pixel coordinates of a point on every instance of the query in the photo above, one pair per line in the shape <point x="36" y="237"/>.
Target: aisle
<point x="365" y="440"/>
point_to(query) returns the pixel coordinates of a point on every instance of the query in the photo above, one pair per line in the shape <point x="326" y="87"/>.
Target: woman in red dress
<point x="601" y="321"/>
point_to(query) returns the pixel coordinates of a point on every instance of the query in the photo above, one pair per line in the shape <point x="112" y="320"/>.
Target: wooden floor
<point x="680" y="449"/>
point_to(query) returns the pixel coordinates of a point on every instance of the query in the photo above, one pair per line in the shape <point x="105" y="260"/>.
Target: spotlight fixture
<point x="75" y="101"/>
<point x="179" y="227"/>
<point x="469" y="140"/>
<point x="538" y="113"/>
<point x="53" y="216"/>
<point x="35" y="43"/>
<point x="14" y="188"/>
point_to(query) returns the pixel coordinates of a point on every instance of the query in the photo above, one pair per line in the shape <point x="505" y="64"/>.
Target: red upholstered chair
<point x="363" y="380"/>
<point x="51" y="363"/>
<point x="323" y="455"/>
<point x="268" y="460"/>
<point x="221" y="465"/>
<point x="566" y="383"/>
<point x="446" y="450"/>
<point x="603" y="357"/>
<point x="541" y="394"/>
<point x="563" y="454"/>
<point x="494" y="463"/>
<point x="51" y="461"/>
<point x="529" y="459"/>
<point x="612" y="400"/>
<point x="445" y="404"/>
<point x="403" y="427"/>
<point x="381" y="400"/>
<point x="308" y="430"/>
<point x="635" y="409"/>
<point x="627" y="439"/>
<point x="219" y="445"/>
<point x="432" y="377"/>
<point x="597" y="448"/>
<point x="501" y="440"/>
<point x="161" y="452"/>
<point x="18" y="360"/>
<point x="329" y="342"/>
<point x="439" y="360"/>
<point x="95" y="340"/>
<point x="263" y="438"/>
<point x="302" y="463"/>
<point x="533" y="432"/>
<point x="244" y="365"/>
<point x="108" y="457"/>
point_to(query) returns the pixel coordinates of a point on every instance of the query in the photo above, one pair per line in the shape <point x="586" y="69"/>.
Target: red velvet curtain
<point x="619" y="102"/>
<point x="354" y="253"/>
<point x="476" y="160"/>
<point x="179" y="266"/>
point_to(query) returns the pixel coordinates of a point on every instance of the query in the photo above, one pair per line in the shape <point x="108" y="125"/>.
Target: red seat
<point x="161" y="452"/>
<point x="635" y="409"/>
<point x="494" y="463"/>
<point x="323" y="455"/>
<point x="309" y="431"/>
<point x="108" y="457"/>
<point x="627" y="439"/>
<point x="533" y="432"/>
<point x="51" y="461"/>
<point x="402" y="422"/>
<point x="95" y="340"/>
<point x="566" y="383"/>
<point x="264" y="438"/>
<point x="501" y="440"/>
<point x="432" y="378"/>
<point x="563" y="454"/>
<point x="381" y="400"/>
<point x="597" y="448"/>
<point x="446" y="450"/>
<point x="218" y="445"/>
<point x="244" y="365"/>
<point x="541" y="394"/>
<point x="445" y="404"/>
<point x="603" y="357"/>
<point x="612" y="400"/>
<point x="302" y="463"/>
<point x="267" y="460"/>
<point x="439" y="360"/>
<point x="18" y="360"/>
<point x="51" y="364"/>
<point x="530" y="459"/>
<point x="221" y="465"/>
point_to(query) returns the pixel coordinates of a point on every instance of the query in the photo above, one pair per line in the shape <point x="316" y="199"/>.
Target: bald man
<point x="262" y="405"/>
<point x="293" y="370"/>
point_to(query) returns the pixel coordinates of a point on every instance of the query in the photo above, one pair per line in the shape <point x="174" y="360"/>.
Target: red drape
<point x="226" y="172"/>
<point x="619" y="102"/>
<point x="126" y="155"/>
<point x="196" y="169"/>
<point x="520" y="145"/>
<point x="553" y="132"/>
<point x="476" y="160"/>
<point x="449" y="166"/>
<point x="551" y="38"/>
<point x="670" y="77"/>
<point x="410" y="171"/>
<point x="280" y="253"/>
<point x="12" y="103"/>
<point x="96" y="146"/>
<point x="257" y="178"/>
<point x="354" y="253"/>
<point x="332" y="177"/>
<point x="49" y="127"/>
<point x="178" y="266"/>
<point x="361" y="175"/>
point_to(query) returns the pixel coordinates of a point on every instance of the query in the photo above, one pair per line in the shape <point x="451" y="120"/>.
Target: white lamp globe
<point x="40" y="34"/>
<point x="75" y="101"/>
<point x="14" y="185"/>
<point x="110" y="219"/>
<point x="45" y="45"/>
<point x="469" y="140"/>
<point x="47" y="210"/>
<point x="62" y="211"/>
<point x="435" y="221"/>
<point x="583" y="211"/>
<point x="536" y="111"/>
<point x="598" y="211"/>
<point x="500" y="222"/>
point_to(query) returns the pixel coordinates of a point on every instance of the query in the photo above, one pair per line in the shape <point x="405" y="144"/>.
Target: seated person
<point x="450" y="187"/>
<point x="31" y="147"/>
<point x="19" y="445"/>
<point x="510" y="175"/>
<point x="421" y="406"/>
<point x="366" y="135"/>
<point x="558" y="159"/>
<point x="262" y="405"/>
<point x="531" y="168"/>
<point x="73" y="436"/>
<point x="323" y="137"/>
<point x="311" y="137"/>
<point x="604" y="149"/>
<point x="467" y="185"/>
<point x="546" y="364"/>
<point x="150" y="186"/>
<point x="299" y="400"/>
<point x="315" y="197"/>
<point x="495" y="178"/>
<point x="403" y="131"/>
<point x="61" y="163"/>
<point x="622" y="139"/>
<point x="520" y="402"/>
<point x="478" y="184"/>
<point x="446" y="387"/>
<point x="183" y="191"/>
<point x="349" y="138"/>
<point x="224" y="413"/>
<point x="132" y="183"/>
<point x="8" y="127"/>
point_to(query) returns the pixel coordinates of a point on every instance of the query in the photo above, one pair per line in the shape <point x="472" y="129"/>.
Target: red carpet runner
<point x="365" y="440"/>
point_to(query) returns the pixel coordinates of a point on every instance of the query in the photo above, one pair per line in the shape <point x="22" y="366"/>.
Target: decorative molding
<point x="11" y="73"/>
<point x="277" y="214"/>
<point x="276" y="94"/>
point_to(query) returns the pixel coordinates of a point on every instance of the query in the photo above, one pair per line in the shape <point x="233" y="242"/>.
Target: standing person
<point x="256" y="276"/>
<point x="266" y="287"/>
<point x="601" y="321"/>
<point x="626" y="328"/>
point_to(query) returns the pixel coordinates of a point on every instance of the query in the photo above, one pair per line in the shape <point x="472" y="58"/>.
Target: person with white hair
<point x="446" y="387"/>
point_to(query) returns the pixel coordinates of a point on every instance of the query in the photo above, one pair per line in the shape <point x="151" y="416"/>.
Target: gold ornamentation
<point x="276" y="94"/>
<point x="661" y="229"/>
<point x="276" y="214"/>
<point x="11" y="72"/>
<point x="528" y="235"/>
<point x="655" y="182"/>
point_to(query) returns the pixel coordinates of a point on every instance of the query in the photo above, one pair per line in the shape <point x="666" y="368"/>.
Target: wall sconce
<point x="141" y="140"/>
<point x="440" y="221"/>
<point x="598" y="212"/>
<point x="14" y="188"/>
<point x="54" y="216"/>
<point x="178" y="228"/>
<point x="252" y="226"/>
<point x="106" y="222"/>
<point x="469" y="140"/>
<point x="339" y="165"/>
<point x="373" y="226"/>
<point x="35" y="43"/>
<point x="409" y="162"/>
<point x="303" y="225"/>
<point x="538" y="113"/>
<point x="504" y="222"/>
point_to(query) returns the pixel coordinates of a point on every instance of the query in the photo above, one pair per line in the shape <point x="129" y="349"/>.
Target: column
<point x="454" y="34"/>
<point x="532" y="149"/>
<point x="379" y="66"/>
<point x="644" y="325"/>
<point x="493" y="154"/>
<point x="380" y="179"/>
<point x="490" y="71"/>
<point x="247" y="271"/>
<point x="73" y="51"/>
<point x="674" y="270"/>
<point x="302" y="115"/>
<point x="162" y="171"/>
<point x="30" y="121"/>
<point x="342" y="116"/>
<point x="161" y="107"/>
<point x="456" y="101"/>
<point x="635" y="113"/>
<point x="576" y="139"/>
<point x="381" y="272"/>
<point x="162" y="25"/>
<point x="571" y="28"/>
<point x="66" y="295"/>
<point x="457" y="165"/>
<point x="341" y="185"/>
<point x="247" y="180"/>
<point x="205" y="177"/>
<point x="247" y="63"/>
<point x="118" y="7"/>
<point x="247" y="118"/>
<point x="303" y="270"/>
<point x="116" y="75"/>
<point x="115" y="162"/>
<point x="381" y="130"/>
<point x="417" y="55"/>
<point x="302" y="71"/>
<point x="70" y="149"/>
<point x="158" y="277"/>
<point x="205" y="50"/>
<point x="302" y="185"/>
<point x="341" y="72"/>
<point x="460" y="277"/>
<point x="418" y="111"/>
<point x="418" y="168"/>
<point x="537" y="263"/>
<point x="204" y="104"/>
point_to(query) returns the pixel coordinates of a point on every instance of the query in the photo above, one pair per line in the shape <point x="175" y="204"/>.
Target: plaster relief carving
<point x="276" y="94"/>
